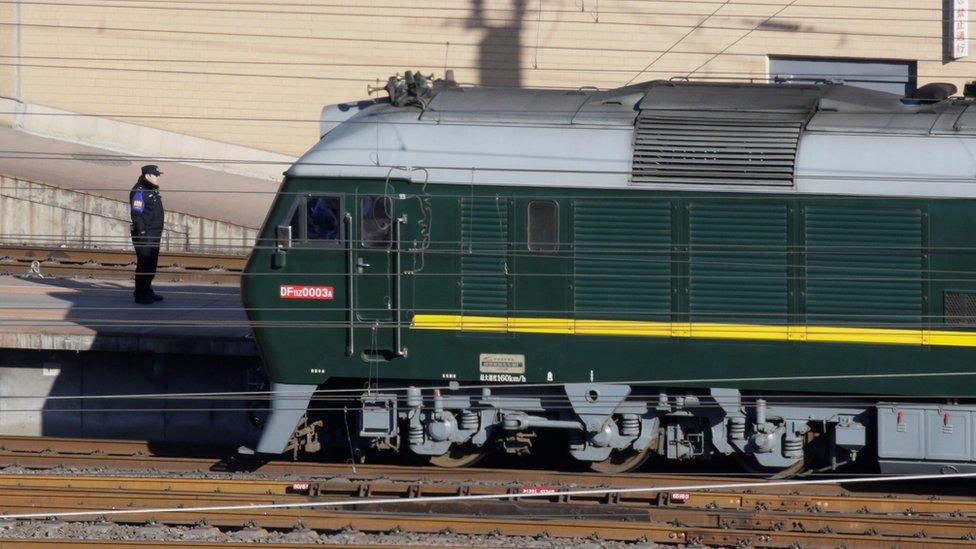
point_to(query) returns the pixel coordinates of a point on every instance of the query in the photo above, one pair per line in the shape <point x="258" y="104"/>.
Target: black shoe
<point x="157" y="297"/>
<point x="144" y="300"/>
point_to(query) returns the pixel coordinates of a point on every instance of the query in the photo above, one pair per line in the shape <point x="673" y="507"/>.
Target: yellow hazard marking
<point x="695" y="330"/>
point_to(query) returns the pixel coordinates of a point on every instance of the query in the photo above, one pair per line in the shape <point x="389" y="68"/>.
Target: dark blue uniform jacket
<point x="146" y="207"/>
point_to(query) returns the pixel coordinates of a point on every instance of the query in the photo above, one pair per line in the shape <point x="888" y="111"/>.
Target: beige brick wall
<point x="8" y="47"/>
<point x="182" y="64"/>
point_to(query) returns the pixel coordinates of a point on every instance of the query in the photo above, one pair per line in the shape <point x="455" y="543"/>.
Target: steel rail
<point x="99" y="492"/>
<point x="403" y="481"/>
<point x="176" y="266"/>
<point x="53" y="452"/>
<point x="25" y="543"/>
<point x="713" y="528"/>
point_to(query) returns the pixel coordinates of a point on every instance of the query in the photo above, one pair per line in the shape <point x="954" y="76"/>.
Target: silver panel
<point x="866" y="143"/>
<point x="948" y="437"/>
<point x="504" y="105"/>
<point x="927" y="432"/>
<point x="905" y="439"/>
<point x="890" y="76"/>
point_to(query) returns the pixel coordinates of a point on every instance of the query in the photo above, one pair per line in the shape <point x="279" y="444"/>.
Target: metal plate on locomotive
<point x="493" y="363"/>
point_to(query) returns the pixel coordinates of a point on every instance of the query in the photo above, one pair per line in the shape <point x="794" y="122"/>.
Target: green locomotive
<point x="779" y="272"/>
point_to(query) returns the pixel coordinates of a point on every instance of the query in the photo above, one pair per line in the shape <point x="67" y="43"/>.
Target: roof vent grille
<point x="716" y="148"/>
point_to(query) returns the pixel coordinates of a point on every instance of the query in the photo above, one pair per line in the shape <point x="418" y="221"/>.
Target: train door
<point x="381" y="224"/>
<point x="307" y="265"/>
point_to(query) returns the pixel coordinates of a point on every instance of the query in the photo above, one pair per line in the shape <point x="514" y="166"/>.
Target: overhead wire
<point x="712" y="75"/>
<point x="362" y="80"/>
<point x="769" y="29"/>
<point x="410" y="12"/>
<point x="740" y="39"/>
<point x="506" y="9"/>
<point x="696" y="27"/>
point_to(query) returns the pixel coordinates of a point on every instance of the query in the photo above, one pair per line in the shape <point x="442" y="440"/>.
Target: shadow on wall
<point x="500" y="50"/>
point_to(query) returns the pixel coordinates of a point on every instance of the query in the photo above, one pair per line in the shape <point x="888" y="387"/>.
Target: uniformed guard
<point x="147" y="231"/>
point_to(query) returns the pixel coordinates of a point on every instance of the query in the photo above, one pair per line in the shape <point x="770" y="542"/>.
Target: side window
<point x="322" y="220"/>
<point x="376" y="213"/>
<point x="543" y="226"/>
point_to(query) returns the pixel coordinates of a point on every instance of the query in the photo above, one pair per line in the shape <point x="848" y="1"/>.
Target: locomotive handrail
<point x="399" y="349"/>
<point x="350" y="347"/>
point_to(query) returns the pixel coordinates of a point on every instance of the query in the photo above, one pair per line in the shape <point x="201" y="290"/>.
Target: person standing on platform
<point x="146" y="207"/>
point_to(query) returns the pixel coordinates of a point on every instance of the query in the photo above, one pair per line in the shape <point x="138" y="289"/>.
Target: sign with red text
<point x="291" y="291"/>
<point x="960" y="28"/>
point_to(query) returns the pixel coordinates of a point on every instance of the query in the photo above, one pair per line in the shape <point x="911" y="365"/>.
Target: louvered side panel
<point x="738" y="262"/>
<point x="863" y="265"/>
<point x="759" y="150"/>
<point x="484" y="252"/>
<point x="622" y="261"/>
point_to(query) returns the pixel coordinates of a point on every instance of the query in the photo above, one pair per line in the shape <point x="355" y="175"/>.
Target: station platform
<point x="92" y="315"/>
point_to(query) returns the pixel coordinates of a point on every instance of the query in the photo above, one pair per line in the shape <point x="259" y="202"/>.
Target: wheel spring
<point x="793" y="447"/>
<point x="416" y="434"/>
<point x="469" y="420"/>
<point x="737" y="428"/>
<point x="630" y="425"/>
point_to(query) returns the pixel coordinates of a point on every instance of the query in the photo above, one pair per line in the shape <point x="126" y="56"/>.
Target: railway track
<point x="120" y="264"/>
<point x="822" y="515"/>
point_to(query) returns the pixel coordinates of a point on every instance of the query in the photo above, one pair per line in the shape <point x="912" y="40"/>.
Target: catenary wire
<point x="468" y="9"/>
<point x="402" y="41"/>
<point x="717" y="75"/>
<point x="676" y="42"/>
<point x="738" y="40"/>
<point x="586" y="16"/>
<point x="712" y="75"/>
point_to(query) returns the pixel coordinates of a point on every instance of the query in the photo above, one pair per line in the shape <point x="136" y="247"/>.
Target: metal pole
<point x="350" y="265"/>
<point x="399" y="349"/>
<point x="18" y="92"/>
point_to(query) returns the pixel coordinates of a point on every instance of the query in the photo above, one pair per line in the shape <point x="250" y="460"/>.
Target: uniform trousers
<point x="147" y="257"/>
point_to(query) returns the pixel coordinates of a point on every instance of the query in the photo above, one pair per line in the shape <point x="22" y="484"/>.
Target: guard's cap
<point x="151" y="169"/>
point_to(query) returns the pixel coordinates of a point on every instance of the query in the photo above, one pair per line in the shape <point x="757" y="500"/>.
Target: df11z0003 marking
<point x="288" y="291"/>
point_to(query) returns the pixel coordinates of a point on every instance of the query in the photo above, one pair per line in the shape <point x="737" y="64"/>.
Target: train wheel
<point x="814" y="456"/>
<point x="750" y="464"/>
<point x="622" y="461"/>
<point x="460" y="455"/>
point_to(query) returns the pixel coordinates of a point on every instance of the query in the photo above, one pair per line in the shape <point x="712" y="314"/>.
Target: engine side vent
<point x="716" y="148"/>
<point x="484" y="255"/>
<point x="960" y="308"/>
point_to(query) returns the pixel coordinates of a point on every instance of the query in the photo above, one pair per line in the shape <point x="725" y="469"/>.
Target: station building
<point x="256" y="74"/>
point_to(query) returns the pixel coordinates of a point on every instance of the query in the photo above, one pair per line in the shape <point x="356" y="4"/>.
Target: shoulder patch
<point x="138" y="203"/>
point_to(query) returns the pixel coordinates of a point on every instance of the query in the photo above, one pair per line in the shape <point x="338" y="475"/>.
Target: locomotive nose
<point x="289" y="402"/>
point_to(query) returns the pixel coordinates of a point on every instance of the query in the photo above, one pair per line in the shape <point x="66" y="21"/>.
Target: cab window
<point x="317" y="221"/>
<point x="543" y="226"/>
<point x="322" y="219"/>
<point x="376" y="214"/>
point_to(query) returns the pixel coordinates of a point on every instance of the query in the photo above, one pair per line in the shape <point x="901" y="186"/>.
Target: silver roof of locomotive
<point x="854" y="141"/>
